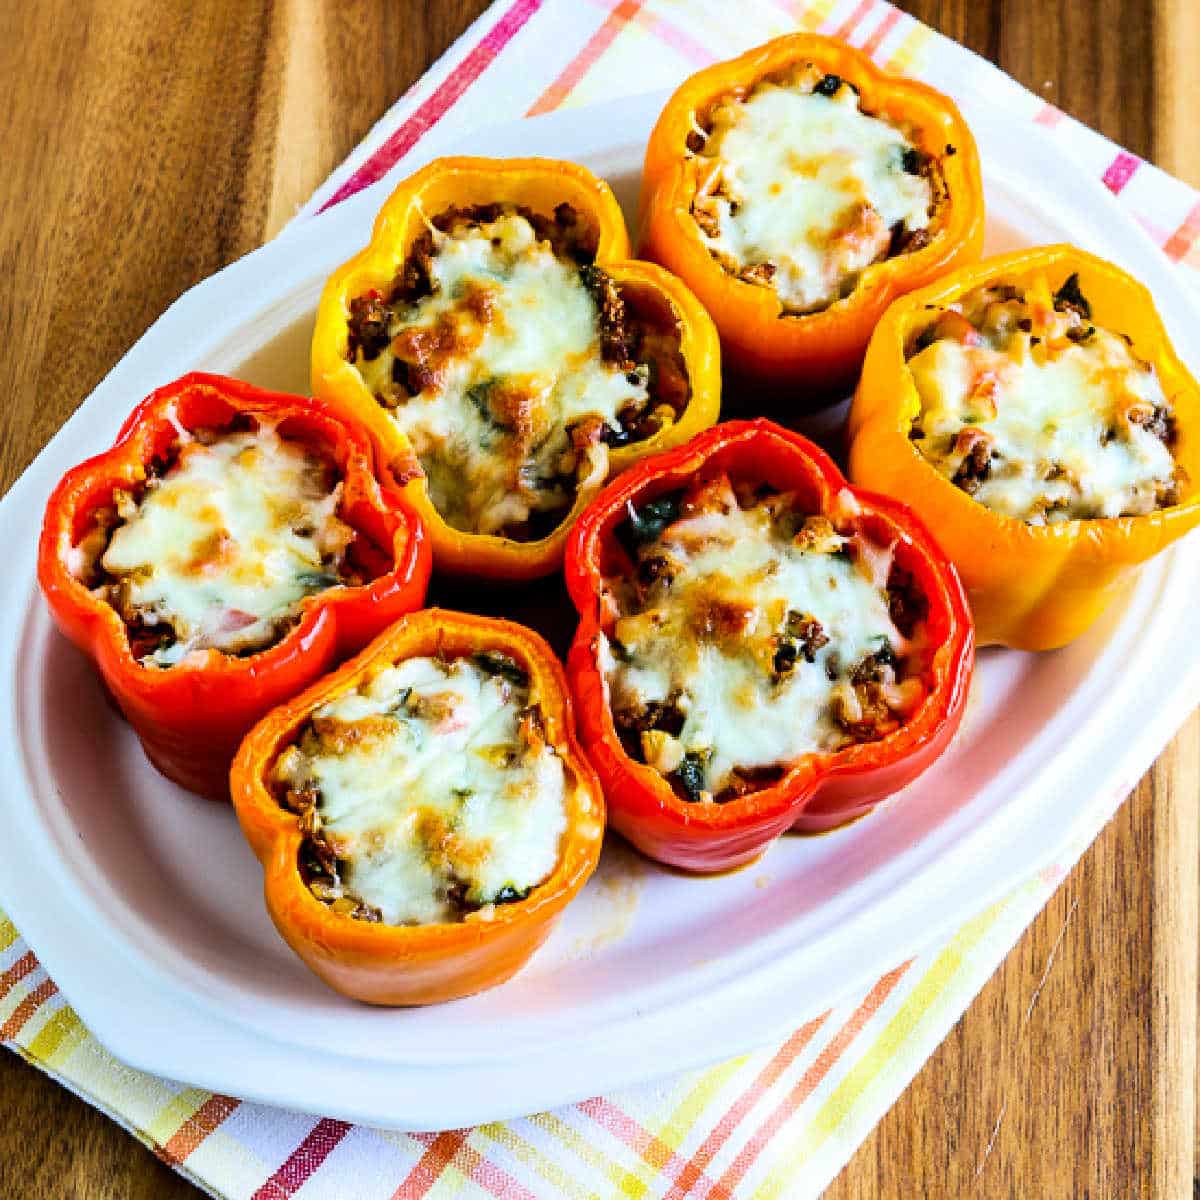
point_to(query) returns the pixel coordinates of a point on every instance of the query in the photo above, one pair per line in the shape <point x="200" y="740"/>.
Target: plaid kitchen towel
<point x="778" y="1122"/>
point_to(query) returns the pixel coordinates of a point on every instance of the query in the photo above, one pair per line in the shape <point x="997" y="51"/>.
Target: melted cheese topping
<point x="221" y="549"/>
<point x="511" y="335"/>
<point x="436" y="791"/>
<point x="1042" y="416"/>
<point x="807" y="185"/>
<point x="734" y="589"/>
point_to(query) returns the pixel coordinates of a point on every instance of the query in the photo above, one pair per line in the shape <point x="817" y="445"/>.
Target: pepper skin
<point x="417" y="964"/>
<point x="803" y="360"/>
<point x="1034" y="587"/>
<point x="819" y="791"/>
<point x="191" y="716"/>
<point x="541" y="185"/>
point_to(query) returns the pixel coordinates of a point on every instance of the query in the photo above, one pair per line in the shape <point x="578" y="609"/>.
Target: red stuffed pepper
<point x="231" y="547"/>
<point x="761" y="647"/>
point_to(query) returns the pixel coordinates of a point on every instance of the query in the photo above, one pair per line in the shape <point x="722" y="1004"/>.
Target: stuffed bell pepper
<point x="798" y="190"/>
<point x="508" y="357"/>
<point x="231" y="547"/>
<point x="423" y="814"/>
<point x="760" y="648"/>
<point x="1033" y="413"/>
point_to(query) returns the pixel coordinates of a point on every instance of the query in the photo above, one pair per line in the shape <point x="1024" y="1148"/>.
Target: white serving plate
<point x="143" y="902"/>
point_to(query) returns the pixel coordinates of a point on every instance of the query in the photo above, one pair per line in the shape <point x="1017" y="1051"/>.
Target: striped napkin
<point x="779" y="1122"/>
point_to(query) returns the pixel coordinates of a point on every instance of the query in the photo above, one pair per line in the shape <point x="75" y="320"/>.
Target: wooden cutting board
<point x="148" y="144"/>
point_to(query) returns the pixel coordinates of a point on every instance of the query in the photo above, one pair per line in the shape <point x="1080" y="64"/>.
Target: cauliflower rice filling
<point x="749" y="634"/>
<point x="428" y="793"/>
<point x="221" y="544"/>
<point x="1037" y="412"/>
<point x="513" y="365"/>
<point x="801" y="191"/>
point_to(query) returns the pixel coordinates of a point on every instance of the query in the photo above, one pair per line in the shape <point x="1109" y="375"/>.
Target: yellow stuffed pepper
<point x="1033" y="412"/>
<point x="508" y="357"/>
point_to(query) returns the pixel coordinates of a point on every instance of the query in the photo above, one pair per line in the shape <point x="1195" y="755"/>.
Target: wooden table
<point x="146" y="145"/>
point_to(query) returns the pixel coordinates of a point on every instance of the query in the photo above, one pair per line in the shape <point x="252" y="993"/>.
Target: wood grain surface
<point x="146" y="144"/>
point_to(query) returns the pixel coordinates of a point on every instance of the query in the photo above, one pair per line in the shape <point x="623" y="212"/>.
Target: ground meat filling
<point x="514" y="364"/>
<point x="428" y="794"/>
<point x="800" y="190"/>
<point x="747" y="633"/>
<point x="1037" y="412"/>
<point x="219" y="545"/>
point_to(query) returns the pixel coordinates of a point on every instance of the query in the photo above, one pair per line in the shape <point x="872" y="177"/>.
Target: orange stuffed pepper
<point x="423" y="815"/>
<point x="231" y="547"/>
<point x="1033" y="412"/>
<point x="798" y="190"/>
<point x="508" y="357"/>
